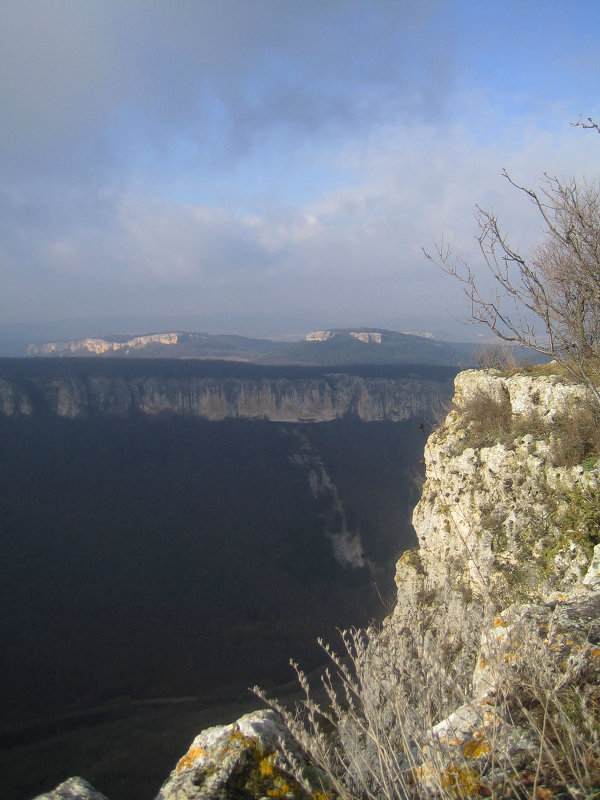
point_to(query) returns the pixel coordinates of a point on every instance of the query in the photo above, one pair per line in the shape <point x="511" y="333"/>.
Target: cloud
<point x="267" y="157"/>
<point x="353" y="250"/>
<point x="95" y="82"/>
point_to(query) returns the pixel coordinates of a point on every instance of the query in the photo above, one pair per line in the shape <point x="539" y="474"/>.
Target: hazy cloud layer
<point x="273" y="159"/>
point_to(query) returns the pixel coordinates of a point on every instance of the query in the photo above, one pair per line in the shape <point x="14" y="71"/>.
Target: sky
<point x="268" y="167"/>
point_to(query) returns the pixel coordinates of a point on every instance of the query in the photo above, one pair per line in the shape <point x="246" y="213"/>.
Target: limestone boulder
<point x="242" y="760"/>
<point x="73" y="789"/>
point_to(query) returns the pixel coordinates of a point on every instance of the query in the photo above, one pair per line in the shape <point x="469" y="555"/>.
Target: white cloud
<point x="261" y="156"/>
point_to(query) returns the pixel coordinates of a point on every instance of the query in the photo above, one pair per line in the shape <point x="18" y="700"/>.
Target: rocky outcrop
<point x="369" y="336"/>
<point x="505" y="584"/>
<point x="73" y="789"/>
<point x="319" y="399"/>
<point x="501" y="515"/>
<point x="14" y="399"/>
<point x="555" y="640"/>
<point x="244" y="759"/>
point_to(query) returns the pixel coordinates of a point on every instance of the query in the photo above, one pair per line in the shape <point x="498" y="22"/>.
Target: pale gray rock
<point x="495" y="525"/>
<point x="84" y="347"/>
<point x="73" y="789"/>
<point x="490" y="521"/>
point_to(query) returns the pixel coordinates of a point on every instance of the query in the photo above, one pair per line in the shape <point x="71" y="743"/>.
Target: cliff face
<point x="504" y="587"/>
<point x="100" y="346"/>
<point x="277" y="399"/>
<point x="501" y="517"/>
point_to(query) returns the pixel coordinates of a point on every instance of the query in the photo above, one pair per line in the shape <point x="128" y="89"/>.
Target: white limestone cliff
<point x="495" y="518"/>
<point x="100" y="346"/>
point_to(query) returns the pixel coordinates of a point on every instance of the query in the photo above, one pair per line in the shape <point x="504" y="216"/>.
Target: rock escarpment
<point x="319" y="399"/>
<point x="502" y="516"/>
<point x="508" y="529"/>
<point x="504" y="587"/>
<point x="101" y="346"/>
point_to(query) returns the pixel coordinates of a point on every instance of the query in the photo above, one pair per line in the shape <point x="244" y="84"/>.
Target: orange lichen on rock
<point x="324" y="796"/>
<point x="187" y="761"/>
<point x="423" y="773"/>
<point x="476" y="748"/>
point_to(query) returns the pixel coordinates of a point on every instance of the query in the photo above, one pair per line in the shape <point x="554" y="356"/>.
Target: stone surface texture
<point x="504" y="526"/>
<point x="73" y="789"/>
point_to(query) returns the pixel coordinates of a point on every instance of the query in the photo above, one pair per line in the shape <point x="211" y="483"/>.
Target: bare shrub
<point x="496" y="356"/>
<point x="548" y="301"/>
<point x="577" y="436"/>
<point x="487" y="420"/>
<point x="557" y="703"/>
<point x="384" y="695"/>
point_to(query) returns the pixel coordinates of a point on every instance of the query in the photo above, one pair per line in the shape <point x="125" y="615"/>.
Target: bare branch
<point x="587" y="123"/>
<point x="548" y="300"/>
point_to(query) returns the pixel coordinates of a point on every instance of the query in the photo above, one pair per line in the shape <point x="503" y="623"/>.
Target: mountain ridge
<point x="334" y="346"/>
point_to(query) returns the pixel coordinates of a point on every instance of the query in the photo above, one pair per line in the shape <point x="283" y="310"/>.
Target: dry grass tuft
<point x="487" y="420"/>
<point x="577" y="436"/>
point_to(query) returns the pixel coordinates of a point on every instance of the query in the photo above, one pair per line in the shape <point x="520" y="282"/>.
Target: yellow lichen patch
<point x="265" y="767"/>
<point x="461" y="782"/>
<point x="237" y="739"/>
<point x="266" y="779"/>
<point x="595" y="653"/>
<point x="281" y="789"/>
<point x="476" y="748"/>
<point x="324" y="796"/>
<point x="187" y="761"/>
<point x="500" y="623"/>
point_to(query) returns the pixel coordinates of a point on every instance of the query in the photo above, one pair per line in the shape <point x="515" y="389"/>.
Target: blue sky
<point x="271" y="166"/>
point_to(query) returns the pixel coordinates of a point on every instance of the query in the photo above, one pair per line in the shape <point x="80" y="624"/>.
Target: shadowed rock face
<point x="321" y="399"/>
